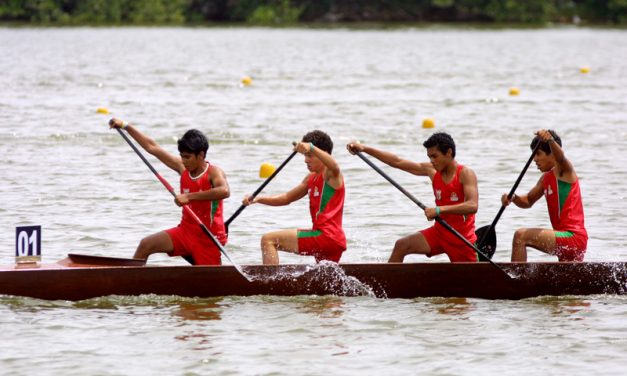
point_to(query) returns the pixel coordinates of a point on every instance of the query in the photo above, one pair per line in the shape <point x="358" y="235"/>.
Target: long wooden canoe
<point x="82" y="277"/>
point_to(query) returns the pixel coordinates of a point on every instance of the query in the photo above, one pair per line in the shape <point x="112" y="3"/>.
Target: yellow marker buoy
<point x="266" y="170"/>
<point x="584" y="70"/>
<point x="102" y="110"/>
<point x="428" y="123"/>
<point x="514" y="91"/>
<point x="247" y="81"/>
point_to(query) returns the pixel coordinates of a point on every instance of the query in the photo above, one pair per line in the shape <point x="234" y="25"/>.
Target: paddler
<point x="203" y="186"/>
<point x="456" y="200"/>
<point x="559" y="184"/>
<point x="324" y="184"/>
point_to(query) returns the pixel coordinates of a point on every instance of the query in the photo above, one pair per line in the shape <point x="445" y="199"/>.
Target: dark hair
<point x="544" y="146"/>
<point x="442" y="140"/>
<point x="320" y="140"/>
<point x="193" y="141"/>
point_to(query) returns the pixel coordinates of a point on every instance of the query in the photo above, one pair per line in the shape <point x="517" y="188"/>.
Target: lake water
<point x="63" y="169"/>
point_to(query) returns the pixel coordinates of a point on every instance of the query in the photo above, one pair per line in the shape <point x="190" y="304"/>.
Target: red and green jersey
<point x="326" y="206"/>
<point x="564" y="203"/>
<point x="452" y="193"/>
<point x="209" y="212"/>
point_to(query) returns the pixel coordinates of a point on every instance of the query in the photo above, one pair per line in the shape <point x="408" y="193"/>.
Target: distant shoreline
<point x="313" y="13"/>
<point x="329" y="26"/>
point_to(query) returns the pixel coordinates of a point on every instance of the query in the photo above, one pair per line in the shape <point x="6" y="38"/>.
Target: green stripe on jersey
<point x="327" y="194"/>
<point x="563" y="234"/>
<point x="308" y="234"/>
<point x="564" y="190"/>
<point x="215" y="205"/>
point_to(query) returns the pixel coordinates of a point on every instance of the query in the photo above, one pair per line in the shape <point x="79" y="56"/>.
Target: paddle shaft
<point x="423" y="207"/>
<point x="509" y="196"/>
<point x="261" y="187"/>
<point x="187" y="209"/>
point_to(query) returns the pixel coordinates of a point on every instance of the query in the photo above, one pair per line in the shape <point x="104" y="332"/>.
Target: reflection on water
<point x="452" y="306"/>
<point x="323" y="306"/>
<point x="569" y="307"/>
<point x="199" y="341"/>
<point x="204" y="309"/>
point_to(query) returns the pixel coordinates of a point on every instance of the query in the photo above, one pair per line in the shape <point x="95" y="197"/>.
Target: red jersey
<point x="564" y="203"/>
<point x="326" y="206"/>
<point x="453" y="194"/>
<point x="209" y="212"/>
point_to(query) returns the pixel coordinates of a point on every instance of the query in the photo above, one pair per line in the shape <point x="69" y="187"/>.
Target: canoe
<point x="81" y="277"/>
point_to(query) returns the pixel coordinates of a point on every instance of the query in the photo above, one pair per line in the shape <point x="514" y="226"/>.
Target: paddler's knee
<point x="146" y="247"/>
<point x="141" y="254"/>
<point x="519" y="235"/>
<point x="267" y="240"/>
<point x="401" y="246"/>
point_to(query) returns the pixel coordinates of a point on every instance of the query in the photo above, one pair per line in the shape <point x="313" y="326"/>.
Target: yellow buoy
<point x="428" y="123"/>
<point x="266" y="170"/>
<point x="514" y="91"/>
<point x="102" y="110"/>
<point x="247" y="81"/>
<point x="584" y="70"/>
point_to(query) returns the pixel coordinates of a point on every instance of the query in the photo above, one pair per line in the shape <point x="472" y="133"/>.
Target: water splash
<point x="326" y="274"/>
<point x="619" y="276"/>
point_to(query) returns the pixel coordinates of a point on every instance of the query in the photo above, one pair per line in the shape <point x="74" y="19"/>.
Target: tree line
<point x="281" y="12"/>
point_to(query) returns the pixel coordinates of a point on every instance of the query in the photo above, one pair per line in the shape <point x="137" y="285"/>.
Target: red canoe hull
<point x="74" y="281"/>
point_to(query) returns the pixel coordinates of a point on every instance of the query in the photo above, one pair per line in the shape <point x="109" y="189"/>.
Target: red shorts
<point x="442" y="240"/>
<point x="192" y="241"/>
<point x="315" y="243"/>
<point x="570" y="246"/>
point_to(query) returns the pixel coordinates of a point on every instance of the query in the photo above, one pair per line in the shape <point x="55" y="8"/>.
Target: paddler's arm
<point x="282" y="199"/>
<point x="333" y="174"/>
<point x="468" y="178"/>
<point x="565" y="170"/>
<point x="220" y="189"/>
<point x="151" y="146"/>
<point x="526" y="201"/>
<point x="391" y="159"/>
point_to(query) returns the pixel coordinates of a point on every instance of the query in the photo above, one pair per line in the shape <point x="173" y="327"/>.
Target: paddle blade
<point x="79" y="259"/>
<point x="486" y="238"/>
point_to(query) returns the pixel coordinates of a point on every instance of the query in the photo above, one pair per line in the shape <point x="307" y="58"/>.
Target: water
<point x="63" y="169"/>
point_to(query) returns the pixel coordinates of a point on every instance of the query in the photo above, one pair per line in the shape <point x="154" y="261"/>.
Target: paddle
<point x="79" y="259"/>
<point x="487" y="234"/>
<point x="423" y="207"/>
<point x="185" y="207"/>
<point x="261" y="187"/>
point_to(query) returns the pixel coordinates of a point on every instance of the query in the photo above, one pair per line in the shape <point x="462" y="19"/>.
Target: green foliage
<point x="263" y="14"/>
<point x="156" y="11"/>
<point x="610" y="10"/>
<point x="95" y="11"/>
<point x="275" y="12"/>
<point x="206" y="10"/>
<point x="101" y="11"/>
<point x="45" y="11"/>
<point x="443" y="3"/>
<point x="520" y="11"/>
<point x="618" y="10"/>
<point x="13" y="10"/>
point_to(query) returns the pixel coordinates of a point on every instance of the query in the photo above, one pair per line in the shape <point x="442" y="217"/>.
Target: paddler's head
<point x="544" y="159"/>
<point x="440" y="150"/>
<point x="193" y="148"/>
<point x="321" y="141"/>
